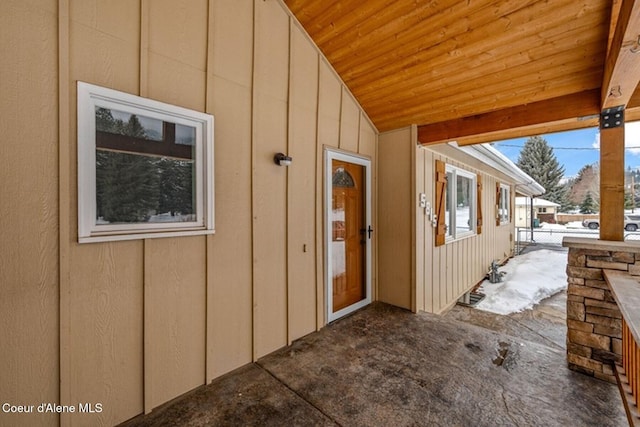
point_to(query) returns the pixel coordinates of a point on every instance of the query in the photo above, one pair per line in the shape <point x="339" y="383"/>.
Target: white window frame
<point x="330" y="155"/>
<point x="452" y="233"/>
<point x="92" y="96"/>
<point x="505" y="204"/>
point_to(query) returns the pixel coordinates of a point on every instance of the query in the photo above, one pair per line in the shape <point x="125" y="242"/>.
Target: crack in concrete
<point x="546" y="339"/>
<point x="285" y="385"/>
<point x="506" y="406"/>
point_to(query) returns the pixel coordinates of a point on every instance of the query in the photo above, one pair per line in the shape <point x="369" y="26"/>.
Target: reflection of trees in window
<point x="176" y="181"/>
<point x="131" y="187"/>
<point x="105" y="122"/>
<point x="126" y="187"/>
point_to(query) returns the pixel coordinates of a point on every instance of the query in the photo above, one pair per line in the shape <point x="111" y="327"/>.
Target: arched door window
<point x="342" y="178"/>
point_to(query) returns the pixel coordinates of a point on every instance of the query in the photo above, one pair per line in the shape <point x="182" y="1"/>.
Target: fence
<point x="563" y="218"/>
<point x="552" y="236"/>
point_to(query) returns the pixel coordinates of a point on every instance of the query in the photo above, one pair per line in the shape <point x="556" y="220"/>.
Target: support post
<point x="612" y="174"/>
<point x="532" y="221"/>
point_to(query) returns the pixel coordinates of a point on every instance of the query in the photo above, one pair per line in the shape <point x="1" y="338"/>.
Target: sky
<point x="578" y="148"/>
<point x="525" y="284"/>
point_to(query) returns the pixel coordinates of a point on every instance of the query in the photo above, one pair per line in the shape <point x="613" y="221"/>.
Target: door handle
<point x="369" y="231"/>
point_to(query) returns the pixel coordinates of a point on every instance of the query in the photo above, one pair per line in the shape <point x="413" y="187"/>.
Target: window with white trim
<point x="504" y="205"/>
<point x="460" y="210"/>
<point x="145" y="168"/>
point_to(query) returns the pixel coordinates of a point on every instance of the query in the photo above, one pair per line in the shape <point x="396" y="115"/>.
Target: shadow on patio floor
<point x="384" y="366"/>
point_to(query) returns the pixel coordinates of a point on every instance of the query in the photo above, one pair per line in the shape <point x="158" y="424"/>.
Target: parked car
<point x="631" y="223"/>
<point x="592" y="224"/>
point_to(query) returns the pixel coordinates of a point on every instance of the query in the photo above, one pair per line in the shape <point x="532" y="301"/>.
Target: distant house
<point x="543" y="210"/>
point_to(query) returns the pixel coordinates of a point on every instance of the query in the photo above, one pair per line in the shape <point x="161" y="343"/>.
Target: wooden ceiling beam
<point x="485" y="104"/>
<point x="613" y="20"/>
<point x="622" y="68"/>
<point x="566" y="111"/>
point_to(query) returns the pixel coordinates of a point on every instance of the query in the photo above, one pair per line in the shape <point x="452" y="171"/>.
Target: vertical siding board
<point x="178" y="52"/>
<point x="301" y="186"/>
<point x="329" y="100"/>
<point x="451" y="269"/>
<point x="178" y="30"/>
<point x="428" y="240"/>
<point x="456" y="268"/>
<point x="328" y="135"/>
<point x="28" y="254"/>
<point x="270" y="94"/>
<point x="107" y="17"/>
<point x="112" y="30"/>
<point x="443" y="278"/>
<point x="175" y="268"/>
<point x="459" y="267"/>
<point x="229" y="257"/>
<point x="472" y="260"/>
<point x="106" y="350"/>
<point x="367" y="146"/>
<point x="64" y="180"/>
<point x="419" y="229"/>
<point x="232" y="41"/>
<point x="349" y="122"/>
<point x="175" y="318"/>
<point x="105" y="327"/>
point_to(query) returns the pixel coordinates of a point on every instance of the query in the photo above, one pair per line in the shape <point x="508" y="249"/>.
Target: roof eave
<point x="525" y="184"/>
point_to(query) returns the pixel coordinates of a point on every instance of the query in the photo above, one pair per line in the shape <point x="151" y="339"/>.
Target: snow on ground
<point x="530" y="278"/>
<point x="548" y="226"/>
<point x="574" y="224"/>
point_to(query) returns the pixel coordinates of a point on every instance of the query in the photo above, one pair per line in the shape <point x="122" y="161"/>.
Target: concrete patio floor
<point x="384" y="366"/>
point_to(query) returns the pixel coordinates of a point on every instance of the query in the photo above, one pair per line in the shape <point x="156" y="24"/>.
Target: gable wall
<point x="136" y="323"/>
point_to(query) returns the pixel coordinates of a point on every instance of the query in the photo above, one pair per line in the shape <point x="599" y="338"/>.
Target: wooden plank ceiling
<point x="449" y="64"/>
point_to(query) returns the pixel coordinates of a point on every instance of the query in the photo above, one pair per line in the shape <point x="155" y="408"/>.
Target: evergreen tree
<point x="628" y="201"/>
<point x="566" y="204"/>
<point x="539" y="162"/>
<point x="587" y="206"/>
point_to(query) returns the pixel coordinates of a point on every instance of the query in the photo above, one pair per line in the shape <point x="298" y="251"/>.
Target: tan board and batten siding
<point x="407" y="252"/>
<point x="134" y="324"/>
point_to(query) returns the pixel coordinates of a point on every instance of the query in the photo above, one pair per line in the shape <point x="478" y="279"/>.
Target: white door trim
<point x="330" y="155"/>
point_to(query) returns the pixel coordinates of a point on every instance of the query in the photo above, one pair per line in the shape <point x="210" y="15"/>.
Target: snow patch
<point x="574" y="224"/>
<point x="530" y="278"/>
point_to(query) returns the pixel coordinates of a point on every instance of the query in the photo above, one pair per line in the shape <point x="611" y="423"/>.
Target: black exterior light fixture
<point x="281" y="159"/>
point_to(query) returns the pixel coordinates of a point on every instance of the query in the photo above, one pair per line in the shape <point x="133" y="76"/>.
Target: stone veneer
<point x="594" y="321"/>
